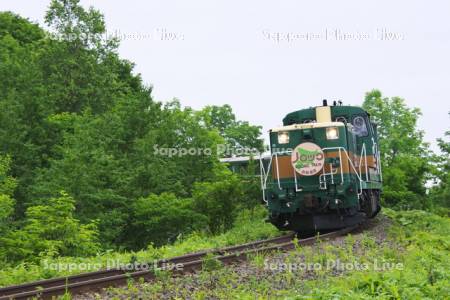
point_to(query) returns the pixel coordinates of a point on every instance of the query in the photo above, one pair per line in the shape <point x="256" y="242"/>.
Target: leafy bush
<point x="218" y="201"/>
<point x="403" y="200"/>
<point x="160" y="219"/>
<point x="51" y="230"/>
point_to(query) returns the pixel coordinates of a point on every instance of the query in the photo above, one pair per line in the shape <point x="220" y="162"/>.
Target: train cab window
<point x="341" y="119"/>
<point x="359" y="126"/>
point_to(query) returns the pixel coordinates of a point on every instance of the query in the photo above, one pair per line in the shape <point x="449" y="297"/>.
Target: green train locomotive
<point x="324" y="169"/>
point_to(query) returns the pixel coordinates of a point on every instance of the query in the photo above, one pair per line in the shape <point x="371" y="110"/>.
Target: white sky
<point x="226" y="52"/>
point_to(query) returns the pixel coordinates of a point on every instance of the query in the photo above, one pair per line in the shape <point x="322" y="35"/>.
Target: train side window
<point x="359" y="126"/>
<point x="374" y="128"/>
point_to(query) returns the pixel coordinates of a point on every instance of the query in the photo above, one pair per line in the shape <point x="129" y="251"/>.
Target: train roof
<point x="302" y="115"/>
<point x="307" y="126"/>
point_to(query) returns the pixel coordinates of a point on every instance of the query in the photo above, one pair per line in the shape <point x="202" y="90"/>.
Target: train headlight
<point x="283" y="137"/>
<point x="332" y="133"/>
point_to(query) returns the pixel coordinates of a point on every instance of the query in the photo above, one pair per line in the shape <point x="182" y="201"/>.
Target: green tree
<point x="83" y="29"/>
<point x="19" y="28"/>
<point x="7" y="183"/>
<point x="80" y="63"/>
<point x="22" y="102"/>
<point x="45" y="77"/>
<point x="160" y="219"/>
<point x="440" y="193"/>
<point x="405" y="156"/>
<point x="7" y="186"/>
<point x="237" y="134"/>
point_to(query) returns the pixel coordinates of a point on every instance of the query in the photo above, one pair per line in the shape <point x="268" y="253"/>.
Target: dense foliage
<point x="85" y="150"/>
<point x="407" y="162"/>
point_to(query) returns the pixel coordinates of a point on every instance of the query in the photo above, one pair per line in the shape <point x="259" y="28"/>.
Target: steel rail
<point x="93" y="281"/>
<point x="54" y="282"/>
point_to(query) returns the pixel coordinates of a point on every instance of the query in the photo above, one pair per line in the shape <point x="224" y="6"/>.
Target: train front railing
<point x="334" y="176"/>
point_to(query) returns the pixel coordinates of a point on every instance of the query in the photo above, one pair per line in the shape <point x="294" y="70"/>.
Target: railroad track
<point x="93" y="281"/>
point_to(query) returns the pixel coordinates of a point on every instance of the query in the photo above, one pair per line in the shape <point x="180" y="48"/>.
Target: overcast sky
<point x="268" y="58"/>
